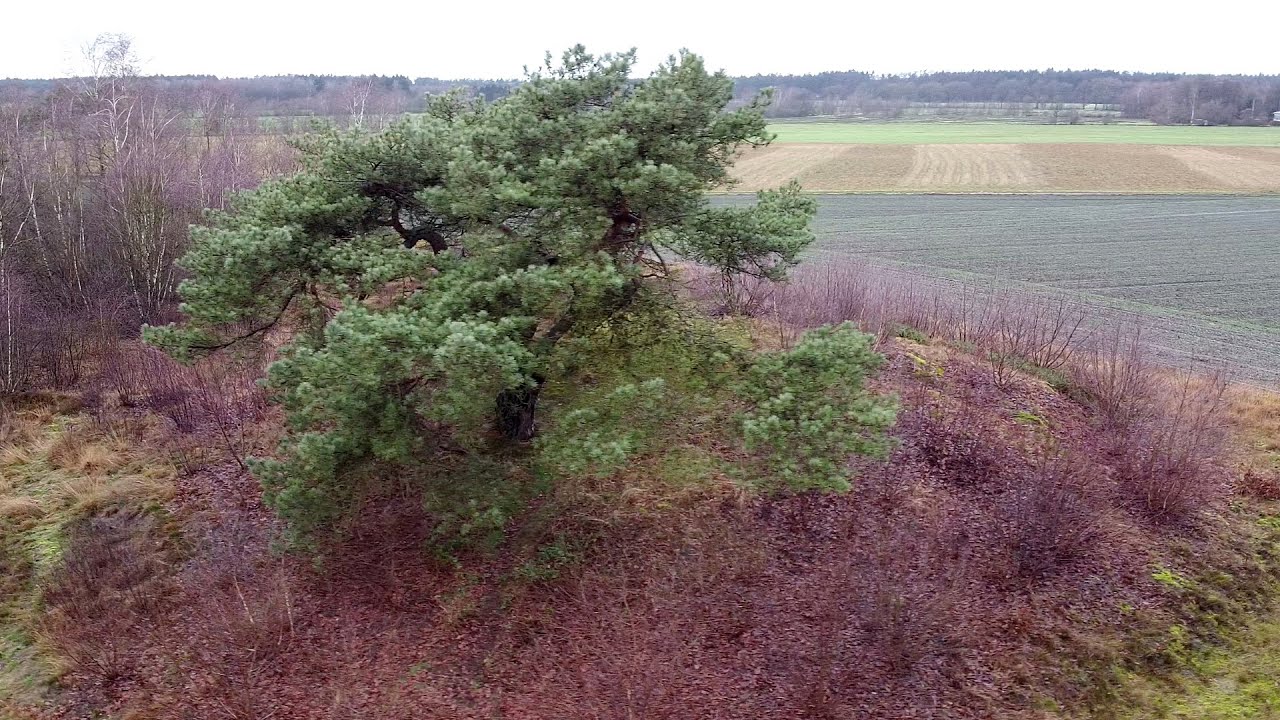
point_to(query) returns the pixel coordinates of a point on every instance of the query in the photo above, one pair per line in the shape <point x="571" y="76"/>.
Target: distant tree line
<point x="1166" y="98"/>
<point x="278" y="98"/>
<point x="284" y="102"/>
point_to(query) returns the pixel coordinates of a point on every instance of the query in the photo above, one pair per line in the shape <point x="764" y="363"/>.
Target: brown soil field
<point x="984" y="168"/>
<point x="1017" y="168"/>
<point x="1122" y="169"/>
<point x="1237" y="168"/>
<point x="826" y="167"/>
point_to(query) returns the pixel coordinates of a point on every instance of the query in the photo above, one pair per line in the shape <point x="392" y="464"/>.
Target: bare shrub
<point x="731" y="294"/>
<point x="912" y="302"/>
<point x="173" y="391"/>
<point x="876" y="299"/>
<point x="110" y="585"/>
<point x="1051" y="331"/>
<point x="123" y="373"/>
<point x="742" y="295"/>
<point x="1004" y="367"/>
<point x="230" y="401"/>
<point x="629" y="664"/>
<point x="828" y="294"/>
<point x="18" y="319"/>
<point x="1116" y="378"/>
<point x="1051" y="514"/>
<point x="64" y="350"/>
<point x="645" y="636"/>
<point x="974" y="318"/>
<point x="1017" y="332"/>
<point x="1171" y="461"/>
<point x="218" y="396"/>
<point x="1014" y="328"/>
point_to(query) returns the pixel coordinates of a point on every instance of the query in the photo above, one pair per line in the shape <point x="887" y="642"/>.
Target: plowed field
<point x="1013" y="168"/>
<point x="1202" y="272"/>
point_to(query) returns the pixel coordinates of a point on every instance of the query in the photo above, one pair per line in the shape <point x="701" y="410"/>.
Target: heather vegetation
<point x="492" y="411"/>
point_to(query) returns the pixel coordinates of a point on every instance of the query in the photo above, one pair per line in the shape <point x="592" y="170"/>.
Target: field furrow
<point x="1037" y="167"/>
<point x="974" y="168"/>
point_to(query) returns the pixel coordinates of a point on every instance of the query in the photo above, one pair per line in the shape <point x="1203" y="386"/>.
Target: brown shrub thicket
<point x="909" y="615"/>
<point x="736" y="619"/>
<point x="1116" y="379"/>
<point x="214" y="403"/>
<point x="1172" y="460"/>
<point x="1167" y="429"/>
<point x="98" y="186"/>
<point x="1052" y="513"/>
<point x="959" y="443"/>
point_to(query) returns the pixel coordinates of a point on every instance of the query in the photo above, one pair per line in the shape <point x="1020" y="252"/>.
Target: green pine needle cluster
<point x="809" y="410"/>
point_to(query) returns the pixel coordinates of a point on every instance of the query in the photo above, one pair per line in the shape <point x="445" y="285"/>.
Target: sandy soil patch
<point x="1247" y="169"/>
<point x="824" y="167"/>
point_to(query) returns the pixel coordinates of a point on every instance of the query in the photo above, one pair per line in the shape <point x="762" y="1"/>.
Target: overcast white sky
<point x="475" y="38"/>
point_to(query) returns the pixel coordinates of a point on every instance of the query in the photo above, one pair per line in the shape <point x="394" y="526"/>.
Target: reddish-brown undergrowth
<point x="991" y="550"/>
<point x="932" y="590"/>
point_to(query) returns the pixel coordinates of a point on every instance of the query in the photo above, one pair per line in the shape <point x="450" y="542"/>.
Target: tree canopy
<point x="442" y="263"/>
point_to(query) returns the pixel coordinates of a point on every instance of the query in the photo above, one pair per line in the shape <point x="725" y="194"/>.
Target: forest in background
<point x="1048" y="95"/>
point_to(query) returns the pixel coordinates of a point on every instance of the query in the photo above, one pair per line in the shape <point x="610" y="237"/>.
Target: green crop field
<point x="907" y="133"/>
<point x="1204" y="272"/>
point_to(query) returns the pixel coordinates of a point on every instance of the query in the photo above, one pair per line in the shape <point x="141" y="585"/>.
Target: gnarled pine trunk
<point x="517" y="410"/>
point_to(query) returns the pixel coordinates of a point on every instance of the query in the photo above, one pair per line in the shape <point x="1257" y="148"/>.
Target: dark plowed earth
<point x="1202" y="273"/>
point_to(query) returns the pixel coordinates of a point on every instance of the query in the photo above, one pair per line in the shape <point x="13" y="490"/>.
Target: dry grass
<point x="85" y="451"/>
<point x="1119" y="169"/>
<point x="16" y="429"/>
<point x="1243" y="169"/>
<point x="92" y="494"/>
<point x="1255" y="415"/>
<point x="16" y="456"/>
<point x="110" y="582"/>
<point x="19" y="507"/>
<point x="80" y="566"/>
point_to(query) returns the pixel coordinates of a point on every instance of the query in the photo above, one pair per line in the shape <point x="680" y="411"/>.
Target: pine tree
<point x="442" y="262"/>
